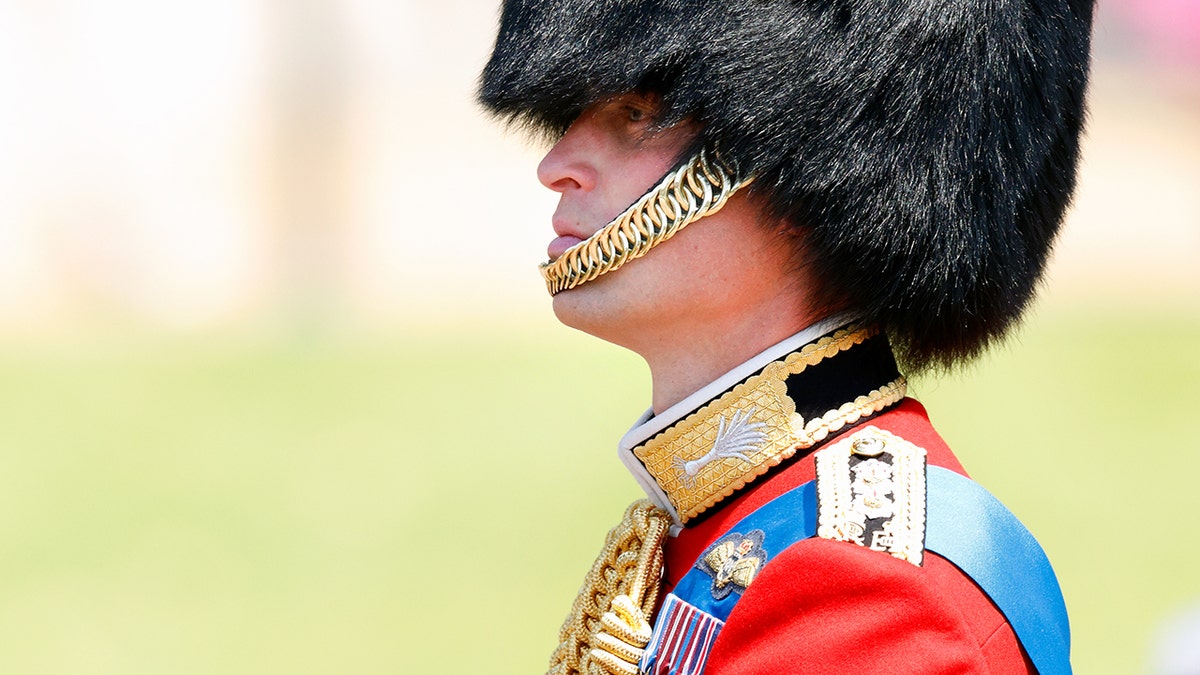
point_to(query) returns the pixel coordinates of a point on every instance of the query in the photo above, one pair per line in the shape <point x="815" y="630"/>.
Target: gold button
<point x="868" y="446"/>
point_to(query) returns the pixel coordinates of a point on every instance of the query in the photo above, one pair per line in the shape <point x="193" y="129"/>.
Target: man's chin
<point x="576" y="307"/>
<point x="591" y="307"/>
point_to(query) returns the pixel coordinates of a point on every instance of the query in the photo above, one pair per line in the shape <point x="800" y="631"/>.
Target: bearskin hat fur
<point x="928" y="149"/>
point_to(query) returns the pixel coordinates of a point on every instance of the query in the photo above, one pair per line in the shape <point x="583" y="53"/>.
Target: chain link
<point x="697" y="189"/>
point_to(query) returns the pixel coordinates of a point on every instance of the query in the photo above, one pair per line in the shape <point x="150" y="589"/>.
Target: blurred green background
<point x="429" y="503"/>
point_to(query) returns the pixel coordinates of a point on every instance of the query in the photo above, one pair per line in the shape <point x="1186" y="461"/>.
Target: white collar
<point x="650" y="424"/>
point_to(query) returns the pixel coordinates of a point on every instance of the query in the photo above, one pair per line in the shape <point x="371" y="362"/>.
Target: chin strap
<point x="697" y="189"/>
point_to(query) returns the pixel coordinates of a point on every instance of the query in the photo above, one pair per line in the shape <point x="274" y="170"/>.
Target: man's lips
<point x="560" y="245"/>
<point x="569" y="233"/>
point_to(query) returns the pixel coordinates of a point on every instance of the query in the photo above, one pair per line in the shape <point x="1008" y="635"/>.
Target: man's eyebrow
<point x="645" y="98"/>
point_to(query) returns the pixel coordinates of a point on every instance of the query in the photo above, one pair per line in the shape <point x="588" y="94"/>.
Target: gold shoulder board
<point x="871" y="491"/>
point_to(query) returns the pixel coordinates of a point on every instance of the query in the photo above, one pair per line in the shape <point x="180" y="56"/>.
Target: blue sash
<point x="965" y="524"/>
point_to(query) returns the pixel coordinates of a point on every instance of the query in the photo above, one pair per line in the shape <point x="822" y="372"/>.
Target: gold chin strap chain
<point x="687" y="194"/>
<point x="609" y="627"/>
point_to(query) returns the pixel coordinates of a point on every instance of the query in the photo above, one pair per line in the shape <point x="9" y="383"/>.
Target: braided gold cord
<point x="697" y="189"/>
<point x="621" y="589"/>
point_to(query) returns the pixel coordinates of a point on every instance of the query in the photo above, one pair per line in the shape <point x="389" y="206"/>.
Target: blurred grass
<point x="429" y="504"/>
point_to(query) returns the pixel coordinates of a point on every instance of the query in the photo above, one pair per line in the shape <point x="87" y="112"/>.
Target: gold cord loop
<point x="687" y="194"/>
<point x="609" y="623"/>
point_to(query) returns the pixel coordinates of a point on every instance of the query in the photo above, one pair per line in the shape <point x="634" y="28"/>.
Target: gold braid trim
<point x="686" y="461"/>
<point x="697" y="189"/>
<point x="609" y="623"/>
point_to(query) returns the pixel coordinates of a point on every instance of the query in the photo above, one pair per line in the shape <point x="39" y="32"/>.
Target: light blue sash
<point x="965" y="525"/>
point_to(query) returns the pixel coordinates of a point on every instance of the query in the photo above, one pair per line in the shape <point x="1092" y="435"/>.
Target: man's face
<point x="606" y="161"/>
<point x="708" y="272"/>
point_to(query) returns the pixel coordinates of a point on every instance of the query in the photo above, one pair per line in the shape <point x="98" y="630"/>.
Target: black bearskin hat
<point x="927" y="149"/>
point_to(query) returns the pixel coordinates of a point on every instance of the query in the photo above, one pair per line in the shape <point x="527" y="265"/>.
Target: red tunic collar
<point x="761" y="416"/>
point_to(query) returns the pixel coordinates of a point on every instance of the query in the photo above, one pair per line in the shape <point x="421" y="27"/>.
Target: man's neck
<point x="678" y="368"/>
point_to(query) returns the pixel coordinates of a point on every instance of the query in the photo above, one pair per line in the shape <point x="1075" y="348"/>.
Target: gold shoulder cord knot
<point x="609" y="627"/>
<point x="687" y="194"/>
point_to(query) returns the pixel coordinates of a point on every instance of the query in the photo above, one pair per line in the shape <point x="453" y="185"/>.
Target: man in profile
<point x="782" y="205"/>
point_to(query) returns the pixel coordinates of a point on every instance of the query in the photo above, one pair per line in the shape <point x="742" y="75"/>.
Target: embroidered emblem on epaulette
<point x="683" y="636"/>
<point x="871" y="491"/>
<point x="733" y="561"/>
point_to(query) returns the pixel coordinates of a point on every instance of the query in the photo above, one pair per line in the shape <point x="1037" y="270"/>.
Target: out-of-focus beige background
<point x="280" y="390"/>
<point x="185" y="166"/>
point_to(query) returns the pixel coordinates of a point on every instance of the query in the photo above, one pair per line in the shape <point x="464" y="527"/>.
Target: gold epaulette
<point x="871" y="491"/>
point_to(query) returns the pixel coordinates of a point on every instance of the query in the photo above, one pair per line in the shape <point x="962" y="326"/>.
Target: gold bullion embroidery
<point x="733" y="562"/>
<point x="608" y="627"/>
<point x="728" y="443"/>
<point x="872" y="475"/>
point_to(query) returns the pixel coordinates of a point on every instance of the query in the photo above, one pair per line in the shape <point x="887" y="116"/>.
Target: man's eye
<point x="635" y="114"/>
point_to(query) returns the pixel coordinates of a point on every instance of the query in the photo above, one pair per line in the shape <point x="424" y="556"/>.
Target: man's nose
<point x="569" y="165"/>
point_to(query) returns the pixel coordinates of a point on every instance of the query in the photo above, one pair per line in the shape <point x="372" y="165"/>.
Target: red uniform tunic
<point x="833" y="607"/>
